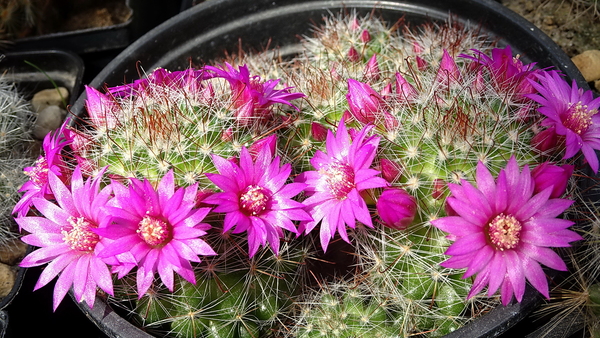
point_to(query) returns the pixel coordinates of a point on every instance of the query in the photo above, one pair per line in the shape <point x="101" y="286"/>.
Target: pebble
<point x="597" y="85"/>
<point x="13" y="252"/>
<point x="49" y="119"/>
<point x="588" y="64"/>
<point x="49" y="97"/>
<point x="7" y="279"/>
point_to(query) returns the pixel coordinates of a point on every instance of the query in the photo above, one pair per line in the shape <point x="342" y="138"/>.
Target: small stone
<point x="7" y="279"/>
<point x="597" y="85"/>
<point x="48" y="120"/>
<point x="12" y="252"/>
<point x="588" y="64"/>
<point x="49" y="97"/>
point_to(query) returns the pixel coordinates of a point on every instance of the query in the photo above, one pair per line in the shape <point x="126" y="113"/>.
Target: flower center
<point x="154" y="231"/>
<point x="78" y="234"/>
<point x="339" y="178"/>
<point x="504" y="232"/>
<point x="579" y="118"/>
<point x="254" y="200"/>
<point x="39" y="172"/>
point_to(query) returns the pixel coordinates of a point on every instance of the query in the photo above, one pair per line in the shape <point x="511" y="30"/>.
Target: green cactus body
<point x="437" y="138"/>
<point x="16" y="152"/>
<point x="233" y="296"/>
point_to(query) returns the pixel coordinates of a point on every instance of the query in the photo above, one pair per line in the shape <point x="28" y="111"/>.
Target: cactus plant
<point x="379" y="146"/>
<point x="16" y="147"/>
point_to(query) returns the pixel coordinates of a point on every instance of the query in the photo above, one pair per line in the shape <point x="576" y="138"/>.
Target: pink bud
<point x="354" y="25"/>
<point x="318" y="132"/>
<point x="390" y="121"/>
<point x="365" y="36"/>
<point x="421" y="63"/>
<point x="363" y="101"/>
<point x="448" y="72"/>
<point x="404" y="90"/>
<point x="479" y="83"/>
<point x="268" y="143"/>
<point x="417" y="48"/>
<point x="386" y="92"/>
<point x="335" y="75"/>
<point x="548" y="175"/>
<point x="101" y="108"/>
<point x="439" y="187"/>
<point x="396" y="208"/>
<point x="207" y="95"/>
<point x="201" y="195"/>
<point x="353" y="55"/>
<point x="227" y="135"/>
<point x="545" y="140"/>
<point x="390" y="170"/>
<point x="372" y="69"/>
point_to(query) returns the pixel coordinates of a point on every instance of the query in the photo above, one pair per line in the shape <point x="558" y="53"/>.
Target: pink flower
<point x="572" y="113"/>
<point x="256" y="199"/>
<point x="67" y="239"/>
<point x="502" y="231"/>
<point x="102" y="109"/>
<point x="364" y="102"/>
<point x="396" y="208"/>
<point x="160" y="229"/>
<point x="549" y="175"/>
<point x="510" y="75"/>
<point x="190" y="80"/>
<point x="334" y="188"/>
<point x="51" y="162"/>
<point x="251" y="97"/>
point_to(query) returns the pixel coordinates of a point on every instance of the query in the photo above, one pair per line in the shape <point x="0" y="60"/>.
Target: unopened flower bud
<point x="396" y="208"/>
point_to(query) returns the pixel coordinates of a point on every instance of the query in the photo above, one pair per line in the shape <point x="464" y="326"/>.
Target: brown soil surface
<point x="573" y="24"/>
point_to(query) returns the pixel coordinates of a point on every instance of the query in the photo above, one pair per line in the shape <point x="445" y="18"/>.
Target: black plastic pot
<point x="208" y="30"/>
<point x="63" y="67"/>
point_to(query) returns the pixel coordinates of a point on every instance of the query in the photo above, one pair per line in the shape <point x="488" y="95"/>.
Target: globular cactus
<point x="181" y="121"/>
<point x="389" y="117"/>
<point x="234" y="296"/>
<point x="16" y="147"/>
<point x="440" y="106"/>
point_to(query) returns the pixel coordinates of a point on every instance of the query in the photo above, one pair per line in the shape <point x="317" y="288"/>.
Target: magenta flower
<point x="364" y="102"/>
<point x="334" y="188"/>
<point x="502" y="231"/>
<point x="253" y="98"/>
<point x="102" y="109"/>
<point x="51" y="161"/>
<point x="396" y="208"/>
<point x="160" y="228"/>
<point x="190" y="80"/>
<point x="67" y="239"/>
<point x="572" y="113"/>
<point x="256" y="199"/>
<point x="510" y="75"/>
